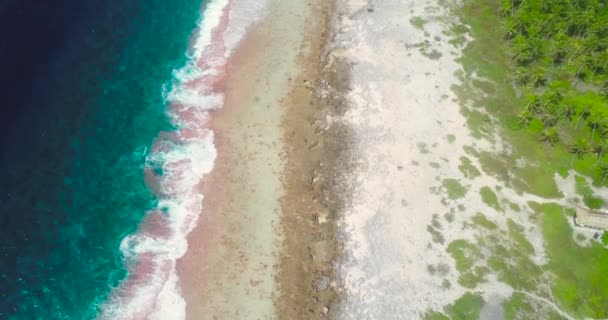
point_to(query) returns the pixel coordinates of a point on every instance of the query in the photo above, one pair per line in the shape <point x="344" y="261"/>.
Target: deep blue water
<point x="81" y="100"/>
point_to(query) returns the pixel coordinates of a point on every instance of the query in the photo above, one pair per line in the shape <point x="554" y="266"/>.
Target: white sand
<point x="396" y="107"/>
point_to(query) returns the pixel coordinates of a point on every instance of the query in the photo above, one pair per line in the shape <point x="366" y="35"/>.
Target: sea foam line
<point x="177" y="163"/>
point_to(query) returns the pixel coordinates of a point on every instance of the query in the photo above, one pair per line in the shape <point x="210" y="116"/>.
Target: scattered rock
<point x="325" y="310"/>
<point x="322" y="283"/>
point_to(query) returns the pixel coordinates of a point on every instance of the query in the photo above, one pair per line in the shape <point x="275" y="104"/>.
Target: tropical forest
<point x="560" y="52"/>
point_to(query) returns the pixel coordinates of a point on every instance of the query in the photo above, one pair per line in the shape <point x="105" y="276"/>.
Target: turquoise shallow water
<point x="72" y="160"/>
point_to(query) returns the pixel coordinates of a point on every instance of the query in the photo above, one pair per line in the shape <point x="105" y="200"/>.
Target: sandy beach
<point x="234" y="268"/>
<point x="347" y="173"/>
<point x="305" y="224"/>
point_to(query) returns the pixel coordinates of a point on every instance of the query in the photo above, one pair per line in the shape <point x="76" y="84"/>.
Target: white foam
<point x="242" y="16"/>
<point x="211" y="18"/>
<point x="185" y="158"/>
<point x="172" y="305"/>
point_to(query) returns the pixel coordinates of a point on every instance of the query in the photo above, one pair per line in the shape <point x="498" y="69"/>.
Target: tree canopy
<point x="559" y="49"/>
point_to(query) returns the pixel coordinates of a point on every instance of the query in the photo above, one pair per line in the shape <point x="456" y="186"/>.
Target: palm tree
<point x="603" y="132"/>
<point x="604" y="172"/>
<point x="506" y="8"/>
<point x="538" y="78"/>
<point x="524" y="117"/>
<point x="595" y="121"/>
<point x="559" y="48"/>
<point x="512" y="27"/>
<point x="600" y="149"/>
<point x="583" y="115"/>
<point x="579" y="149"/>
<point x="552" y="96"/>
<point x="549" y="120"/>
<point x="604" y="88"/>
<point x="521" y="76"/>
<point x="536" y="104"/>
<point x="583" y="65"/>
<point x="567" y="113"/>
<point x="549" y="136"/>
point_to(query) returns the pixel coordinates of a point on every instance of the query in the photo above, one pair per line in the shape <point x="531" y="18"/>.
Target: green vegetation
<point x="510" y="259"/>
<point x="581" y="284"/>
<point x="466" y="307"/>
<point x="589" y="198"/>
<point x="454" y="189"/>
<point x="473" y="277"/>
<point x="518" y="307"/>
<point x="516" y="233"/>
<point x="489" y="197"/>
<point x="426" y="49"/>
<point x="543" y="79"/>
<point x="481" y="220"/>
<point x="560" y="58"/>
<point x="489" y="98"/>
<point x="513" y="206"/>
<point x="418" y="22"/>
<point x="468" y="169"/>
<point x="559" y="62"/>
<point x="521" y="307"/>
<point x="466" y="255"/>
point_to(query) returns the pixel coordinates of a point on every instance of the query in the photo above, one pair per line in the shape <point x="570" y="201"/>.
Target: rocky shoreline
<point x="318" y="160"/>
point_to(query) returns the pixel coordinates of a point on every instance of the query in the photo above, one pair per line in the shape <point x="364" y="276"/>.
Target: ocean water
<point x="87" y="146"/>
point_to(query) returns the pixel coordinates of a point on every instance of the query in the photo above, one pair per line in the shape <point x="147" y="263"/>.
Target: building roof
<point x="591" y="218"/>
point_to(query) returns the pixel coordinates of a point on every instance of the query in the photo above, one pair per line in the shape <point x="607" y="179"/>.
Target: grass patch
<point x="488" y="196"/>
<point x="520" y="307"/>
<point x="516" y="233"/>
<point x="480" y="220"/>
<point x="468" y="169"/>
<point x="465" y="254"/>
<point x="583" y="189"/>
<point x="466" y="307"/>
<point x="454" y="189"/>
<point x="472" y="278"/>
<point x="581" y="284"/>
<point x="418" y="22"/>
<point x="513" y="206"/>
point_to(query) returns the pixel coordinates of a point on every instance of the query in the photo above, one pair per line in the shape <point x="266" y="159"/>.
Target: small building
<point x="591" y="218"/>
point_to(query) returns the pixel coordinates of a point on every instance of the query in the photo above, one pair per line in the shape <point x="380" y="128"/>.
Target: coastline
<point x="318" y="159"/>
<point x="235" y="250"/>
<point x="348" y="178"/>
